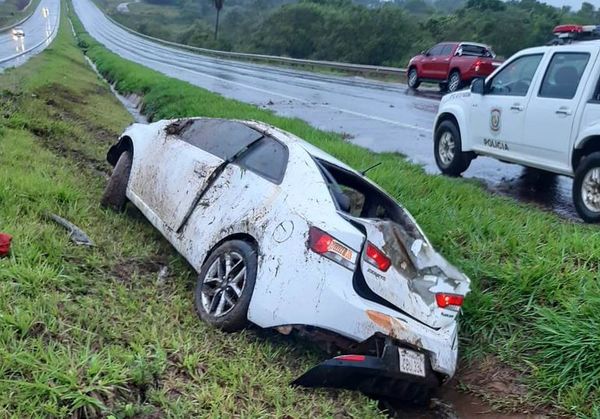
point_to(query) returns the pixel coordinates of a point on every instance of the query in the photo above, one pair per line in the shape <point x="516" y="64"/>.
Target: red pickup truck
<point x="452" y="65"/>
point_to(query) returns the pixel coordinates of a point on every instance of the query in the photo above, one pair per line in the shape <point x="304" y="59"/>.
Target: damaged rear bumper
<point x="377" y="376"/>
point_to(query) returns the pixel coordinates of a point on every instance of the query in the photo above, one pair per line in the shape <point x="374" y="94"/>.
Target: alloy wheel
<point x="454" y="82"/>
<point x="223" y="284"/>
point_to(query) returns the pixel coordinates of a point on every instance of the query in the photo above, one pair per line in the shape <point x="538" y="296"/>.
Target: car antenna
<point x="369" y="168"/>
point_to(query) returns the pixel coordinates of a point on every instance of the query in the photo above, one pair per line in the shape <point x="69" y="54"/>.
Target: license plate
<point x="412" y="362"/>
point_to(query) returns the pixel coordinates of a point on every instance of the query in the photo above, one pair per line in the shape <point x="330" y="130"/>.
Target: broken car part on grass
<point x="76" y="234"/>
<point x="285" y="236"/>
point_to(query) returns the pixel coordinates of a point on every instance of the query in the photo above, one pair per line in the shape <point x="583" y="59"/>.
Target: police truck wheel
<point x="586" y="188"/>
<point x="447" y="148"/>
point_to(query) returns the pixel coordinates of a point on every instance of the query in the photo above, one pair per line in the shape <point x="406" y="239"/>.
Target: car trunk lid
<point x="417" y="275"/>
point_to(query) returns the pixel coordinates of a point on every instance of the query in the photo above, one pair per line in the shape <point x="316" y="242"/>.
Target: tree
<point x="218" y="6"/>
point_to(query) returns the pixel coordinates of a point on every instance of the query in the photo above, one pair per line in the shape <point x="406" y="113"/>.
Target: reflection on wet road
<point x="381" y="116"/>
<point x="38" y="30"/>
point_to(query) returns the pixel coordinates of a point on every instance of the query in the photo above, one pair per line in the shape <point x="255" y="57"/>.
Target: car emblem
<point x="495" y="120"/>
<point x="283" y="231"/>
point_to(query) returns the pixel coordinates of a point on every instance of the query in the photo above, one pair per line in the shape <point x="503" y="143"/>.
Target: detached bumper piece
<point x="378" y="377"/>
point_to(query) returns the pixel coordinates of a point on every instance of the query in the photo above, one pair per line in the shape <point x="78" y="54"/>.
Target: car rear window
<point x="563" y="75"/>
<point x="356" y="196"/>
<point x="268" y="158"/>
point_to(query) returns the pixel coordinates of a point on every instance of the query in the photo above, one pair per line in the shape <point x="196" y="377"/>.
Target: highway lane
<point x="39" y="33"/>
<point x="381" y="116"/>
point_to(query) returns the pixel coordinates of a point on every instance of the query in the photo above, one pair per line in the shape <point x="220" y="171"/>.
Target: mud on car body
<point x="285" y="236"/>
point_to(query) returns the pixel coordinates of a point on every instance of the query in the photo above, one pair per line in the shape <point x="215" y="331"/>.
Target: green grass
<point x="91" y="332"/>
<point x="12" y="11"/>
<point x="535" y="302"/>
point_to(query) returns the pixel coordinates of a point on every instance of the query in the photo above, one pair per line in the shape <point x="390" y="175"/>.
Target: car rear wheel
<point x="449" y="157"/>
<point x="454" y="81"/>
<point x="586" y="188"/>
<point x="413" y="78"/>
<point x="225" y="285"/>
<point x="115" y="193"/>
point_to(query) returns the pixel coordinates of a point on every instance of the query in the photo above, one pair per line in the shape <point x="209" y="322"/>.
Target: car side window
<point x="436" y="50"/>
<point x="447" y="50"/>
<point x="563" y="75"/>
<point x="219" y="137"/>
<point x="516" y="77"/>
<point x="268" y="158"/>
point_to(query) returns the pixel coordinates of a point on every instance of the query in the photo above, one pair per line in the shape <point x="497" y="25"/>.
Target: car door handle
<point x="516" y="107"/>
<point x="563" y="111"/>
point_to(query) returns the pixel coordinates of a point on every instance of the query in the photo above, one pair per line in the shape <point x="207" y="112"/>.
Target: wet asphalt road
<point x="381" y="116"/>
<point x="38" y="29"/>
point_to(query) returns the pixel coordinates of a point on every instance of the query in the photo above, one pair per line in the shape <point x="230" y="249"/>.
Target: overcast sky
<point x="575" y="4"/>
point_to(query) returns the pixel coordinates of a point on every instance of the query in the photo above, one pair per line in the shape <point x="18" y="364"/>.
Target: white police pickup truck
<point x="541" y="108"/>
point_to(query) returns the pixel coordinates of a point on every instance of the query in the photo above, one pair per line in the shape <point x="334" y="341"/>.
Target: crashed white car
<point x="285" y="236"/>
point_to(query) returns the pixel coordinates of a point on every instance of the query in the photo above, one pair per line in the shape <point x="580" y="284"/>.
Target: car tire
<point x="222" y="300"/>
<point x="447" y="149"/>
<point x="413" y="78"/>
<point x="115" y="193"/>
<point x="586" y="188"/>
<point x="454" y="81"/>
<point x="443" y="87"/>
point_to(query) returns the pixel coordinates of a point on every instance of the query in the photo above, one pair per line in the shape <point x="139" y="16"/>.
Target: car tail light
<point x="325" y="245"/>
<point x="352" y="358"/>
<point x="377" y="258"/>
<point x="451" y="301"/>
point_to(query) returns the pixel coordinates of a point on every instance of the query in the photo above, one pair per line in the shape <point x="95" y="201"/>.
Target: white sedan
<point x="18" y="32"/>
<point x="285" y="236"/>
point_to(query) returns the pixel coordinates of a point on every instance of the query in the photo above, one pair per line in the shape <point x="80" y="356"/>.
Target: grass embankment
<point x="535" y="302"/>
<point x="88" y="332"/>
<point x="12" y="11"/>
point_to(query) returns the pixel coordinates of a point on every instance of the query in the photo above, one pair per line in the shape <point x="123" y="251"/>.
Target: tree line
<point x="364" y="31"/>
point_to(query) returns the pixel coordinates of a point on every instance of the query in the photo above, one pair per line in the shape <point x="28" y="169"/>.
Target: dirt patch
<point x="493" y="390"/>
<point x="131" y="268"/>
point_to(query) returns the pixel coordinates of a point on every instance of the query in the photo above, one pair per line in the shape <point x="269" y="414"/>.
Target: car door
<point x="442" y="62"/>
<point x="242" y="199"/>
<point x="428" y="66"/>
<point x="186" y="162"/>
<point x="498" y="116"/>
<point x="551" y="113"/>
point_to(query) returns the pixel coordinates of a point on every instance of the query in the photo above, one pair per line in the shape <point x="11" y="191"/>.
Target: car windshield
<point x="356" y="196"/>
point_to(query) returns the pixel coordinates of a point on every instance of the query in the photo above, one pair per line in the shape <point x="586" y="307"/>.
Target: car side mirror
<point x="478" y="86"/>
<point x="425" y="53"/>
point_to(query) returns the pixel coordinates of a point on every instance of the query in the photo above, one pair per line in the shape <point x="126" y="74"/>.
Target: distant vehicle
<point x="452" y="65"/>
<point x="565" y="34"/>
<point x="285" y="236"/>
<point x="18" y="32"/>
<point x="540" y="109"/>
<point x="45" y="12"/>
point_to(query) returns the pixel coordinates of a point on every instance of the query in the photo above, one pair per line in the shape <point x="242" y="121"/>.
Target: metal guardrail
<point x="353" y="68"/>
<point x="39" y="44"/>
<point x="6" y="28"/>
